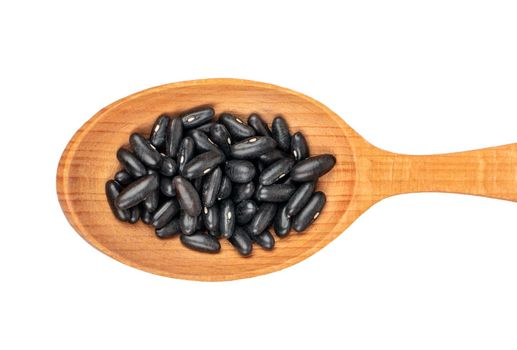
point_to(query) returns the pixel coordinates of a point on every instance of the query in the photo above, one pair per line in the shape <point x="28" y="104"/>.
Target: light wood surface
<point x="363" y="175"/>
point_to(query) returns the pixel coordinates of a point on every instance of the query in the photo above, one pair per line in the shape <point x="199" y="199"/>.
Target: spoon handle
<point x="489" y="172"/>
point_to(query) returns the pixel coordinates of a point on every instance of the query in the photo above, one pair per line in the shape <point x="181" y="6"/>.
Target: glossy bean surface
<point x="211" y="186"/>
<point x="168" y="166"/>
<point x="242" y="192"/>
<point x="166" y="187"/>
<point x="203" y="142"/>
<point x="274" y="193"/>
<point x="312" y="168"/>
<point x="134" y="214"/>
<point x="145" y="151"/>
<point x="188" y="223"/>
<point x="137" y="191"/>
<point x="264" y="240"/>
<point x="299" y="147"/>
<point x="187" y="195"/>
<point x="280" y="131"/>
<point x="282" y="222"/>
<point x="226" y="218"/>
<point x="221" y="138"/>
<point x="174" y="136"/>
<point x="253" y="147"/>
<point x="202" y="164"/>
<point x="211" y="217"/>
<point x="198" y="117"/>
<point x="165" y="213"/>
<point x="112" y="192"/>
<point x="241" y="241"/>
<point x="201" y="242"/>
<point x="159" y="131"/>
<point x="310" y="212"/>
<point x="276" y="171"/>
<point x="260" y="127"/>
<point x="185" y="152"/>
<point x="123" y="178"/>
<point x="245" y="211"/>
<point x="226" y="188"/>
<point x="262" y="219"/>
<point x="239" y="171"/>
<point x="236" y="126"/>
<point x="300" y="198"/>
<point x="170" y="230"/>
<point x="131" y="163"/>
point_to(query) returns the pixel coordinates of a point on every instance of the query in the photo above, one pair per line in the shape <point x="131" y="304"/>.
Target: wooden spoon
<point x="363" y="175"/>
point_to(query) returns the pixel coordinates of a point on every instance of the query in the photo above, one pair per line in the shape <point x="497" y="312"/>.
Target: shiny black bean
<point x="258" y="125"/>
<point x="203" y="142"/>
<point x="137" y="191"/>
<point x="131" y="164"/>
<point x="123" y="178"/>
<point x="271" y="157"/>
<point x="265" y="240"/>
<point x="165" y="213"/>
<point x="312" y="168"/>
<point x="200" y="224"/>
<point x="226" y="188"/>
<point x="242" y="192"/>
<point x="112" y="192"/>
<point x="211" y="186"/>
<point x="226" y="218"/>
<point x="274" y="193"/>
<point x="150" y="203"/>
<point x="241" y="241"/>
<point x="205" y="128"/>
<point x="276" y="171"/>
<point x="310" y="212"/>
<point x="215" y="233"/>
<point x="262" y="219"/>
<point x="145" y="151"/>
<point x="166" y="187"/>
<point x="240" y="171"/>
<point x="221" y="138"/>
<point x="236" y="126"/>
<point x="198" y="184"/>
<point x="188" y="223"/>
<point x="146" y="216"/>
<point x="185" y="152"/>
<point x="187" y="196"/>
<point x="168" y="166"/>
<point x="282" y="222"/>
<point x="300" y="198"/>
<point x="159" y="131"/>
<point x="245" y="211"/>
<point x="211" y="218"/>
<point x="252" y="147"/>
<point x="280" y="131"/>
<point x="169" y="230"/>
<point x="201" y="242"/>
<point x="299" y="147"/>
<point x="202" y="164"/>
<point x="134" y="214"/>
<point x="196" y="118"/>
<point x="174" y="136"/>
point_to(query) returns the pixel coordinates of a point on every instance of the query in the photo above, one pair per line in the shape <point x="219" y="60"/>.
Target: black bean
<point x="168" y="166"/>
<point x="259" y="166"/>
<point x="203" y="142"/>
<point x="205" y="128"/>
<point x="166" y="187"/>
<point x="146" y="216"/>
<point x="310" y="212"/>
<point x="253" y="147"/>
<point x="137" y="191"/>
<point x="150" y="203"/>
<point x="226" y="188"/>
<point x="112" y="192"/>
<point x="145" y="151"/>
<point x="187" y="196"/>
<point x="185" y="152"/>
<point x="198" y="184"/>
<point x="242" y="192"/>
<point x="282" y="222"/>
<point x="211" y="218"/>
<point x="273" y="156"/>
<point x="188" y="223"/>
<point x="262" y="219"/>
<point x="276" y="171"/>
<point x="169" y="230"/>
<point x="174" y="136"/>
<point x="280" y="131"/>
<point x="132" y="164"/>
<point x="123" y="178"/>
<point x="211" y="186"/>
<point x="240" y="171"/>
<point x="236" y="127"/>
<point x="134" y="214"/>
<point x="274" y="193"/>
<point x="201" y="242"/>
<point x="196" y="118"/>
<point x="165" y="213"/>
<point x="312" y="168"/>
<point x="300" y="198"/>
<point x="200" y="224"/>
<point x="245" y="211"/>
<point x="241" y="241"/>
<point x="265" y="240"/>
<point x="299" y="147"/>
<point x="258" y="125"/>
<point x="215" y="233"/>
<point x="221" y="138"/>
<point x="159" y="131"/>
<point x="226" y="218"/>
<point x="202" y="164"/>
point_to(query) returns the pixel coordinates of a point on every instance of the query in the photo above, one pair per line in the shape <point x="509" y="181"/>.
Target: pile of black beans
<point x="206" y="179"/>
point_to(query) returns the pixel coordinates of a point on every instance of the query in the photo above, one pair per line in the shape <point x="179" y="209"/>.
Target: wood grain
<point x="362" y="176"/>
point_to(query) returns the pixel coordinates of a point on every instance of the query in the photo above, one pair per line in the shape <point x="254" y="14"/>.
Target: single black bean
<point x="280" y="131"/>
<point x="300" y="198"/>
<point x="299" y="147"/>
<point x="221" y="138"/>
<point x="196" y="118"/>
<point x="137" y="191"/>
<point x="202" y="164"/>
<point x="112" y="192"/>
<point x="201" y="242"/>
<point x="258" y="125"/>
<point x="185" y="152"/>
<point x="166" y="187"/>
<point x="253" y="147"/>
<point x="205" y="128"/>
<point x="282" y="222"/>
<point x="241" y="241"/>
<point x="242" y="192"/>
<point x="134" y="214"/>
<point x="123" y="178"/>
<point x="312" y="168"/>
<point x="265" y="240"/>
<point x="211" y="218"/>
<point x="150" y="203"/>
<point x="203" y="142"/>
<point x="274" y="193"/>
<point x="145" y="151"/>
<point x="226" y="188"/>
<point x="211" y="186"/>
<point x="174" y="136"/>
<point x="245" y="211"/>
<point x="169" y="230"/>
<point x="132" y="164"/>
<point x="240" y="171"/>
<point x="188" y="223"/>
<point x="262" y="219"/>
<point x="310" y="212"/>
<point x="226" y="218"/>
<point x="271" y="157"/>
<point x="159" y="131"/>
<point x="168" y="166"/>
<point x="165" y="213"/>
<point x="145" y="215"/>
<point x="187" y="196"/>
<point x="236" y="126"/>
<point x="276" y="171"/>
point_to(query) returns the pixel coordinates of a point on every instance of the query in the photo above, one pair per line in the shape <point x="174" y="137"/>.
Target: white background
<point x="423" y="271"/>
